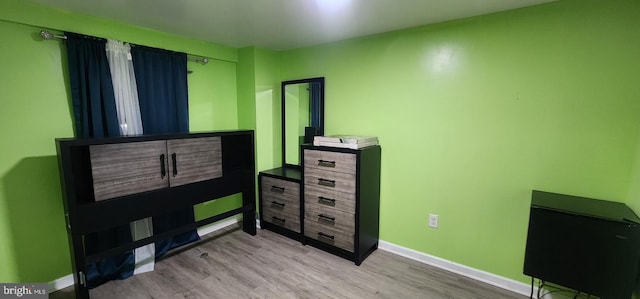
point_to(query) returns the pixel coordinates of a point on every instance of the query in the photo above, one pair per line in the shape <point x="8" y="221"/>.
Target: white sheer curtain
<point x="124" y="87"/>
<point x="128" y="109"/>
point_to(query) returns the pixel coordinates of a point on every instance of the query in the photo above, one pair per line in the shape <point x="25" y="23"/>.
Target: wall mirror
<point x="302" y="116"/>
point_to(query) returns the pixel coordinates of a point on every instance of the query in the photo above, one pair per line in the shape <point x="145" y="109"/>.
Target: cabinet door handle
<point x="277" y="219"/>
<point x="163" y="169"/>
<point x="327" y="219"/>
<point x="325" y="238"/>
<point x="277" y="189"/>
<point x="326" y="201"/>
<point x="325" y="163"/>
<point x="275" y="203"/>
<point x="175" y="164"/>
<point x="325" y="182"/>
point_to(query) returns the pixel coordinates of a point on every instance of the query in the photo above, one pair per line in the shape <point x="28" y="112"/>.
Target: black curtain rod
<point x="46" y="35"/>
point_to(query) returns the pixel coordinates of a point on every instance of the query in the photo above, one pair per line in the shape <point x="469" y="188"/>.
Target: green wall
<point x="246" y="88"/>
<point x="267" y="112"/>
<point x="213" y="105"/>
<point x="474" y="114"/>
<point x="35" y="111"/>
<point x="258" y="103"/>
<point x="633" y="197"/>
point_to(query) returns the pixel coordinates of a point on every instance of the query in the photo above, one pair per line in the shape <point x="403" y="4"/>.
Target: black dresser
<point x="341" y="200"/>
<point x="279" y="201"/>
<point x="331" y="203"/>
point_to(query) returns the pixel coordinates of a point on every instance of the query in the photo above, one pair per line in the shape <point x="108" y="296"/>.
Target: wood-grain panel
<point x="281" y="218"/>
<point x="283" y="205"/>
<point x="268" y="199"/>
<point x="339" y="200"/>
<point x="333" y="161"/>
<point x="330" y="180"/>
<point x="329" y="216"/>
<point x="197" y="159"/>
<point x="284" y="190"/>
<point x="127" y="168"/>
<point x="329" y="235"/>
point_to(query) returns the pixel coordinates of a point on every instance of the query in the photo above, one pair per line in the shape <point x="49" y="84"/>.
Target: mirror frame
<point x="319" y="80"/>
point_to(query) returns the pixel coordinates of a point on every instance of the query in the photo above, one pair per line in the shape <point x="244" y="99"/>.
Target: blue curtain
<point x="94" y="105"/>
<point x="95" y="116"/>
<point x="161" y="77"/>
<point x="315" y="103"/>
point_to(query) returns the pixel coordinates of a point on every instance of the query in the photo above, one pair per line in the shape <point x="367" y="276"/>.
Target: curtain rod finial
<point x="46" y="34"/>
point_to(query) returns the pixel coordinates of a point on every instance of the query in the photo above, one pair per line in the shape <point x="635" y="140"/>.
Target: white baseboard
<point x="483" y="276"/>
<point x="209" y="228"/>
<point x="61" y="283"/>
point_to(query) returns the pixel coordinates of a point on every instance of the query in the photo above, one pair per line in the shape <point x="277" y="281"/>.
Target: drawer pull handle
<point x="325" y="182"/>
<point x="175" y="164"/>
<point x="277" y="204"/>
<point x="326" y="201"/>
<point x="277" y="189"/>
<point x="327" y="219"/>
<point x="163" y="169"/>
<point x="325" y="238"/>
<point x="277" y="219"/>
<point x="325" y="163"/>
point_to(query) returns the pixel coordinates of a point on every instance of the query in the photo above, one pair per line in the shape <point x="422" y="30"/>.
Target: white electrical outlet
<point x="433" y="220"/>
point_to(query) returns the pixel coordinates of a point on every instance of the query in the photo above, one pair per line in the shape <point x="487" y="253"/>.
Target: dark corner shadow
<point x="65" y="71"/>
<point x="36" y="219"/>
<point x="636" y="290"/>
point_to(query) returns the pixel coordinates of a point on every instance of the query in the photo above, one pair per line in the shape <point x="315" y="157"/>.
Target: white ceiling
<point x="283" y="24"/>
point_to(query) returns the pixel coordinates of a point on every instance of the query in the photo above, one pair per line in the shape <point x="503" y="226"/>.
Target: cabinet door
<point x="128" y="168"/>
<point x="194" y="159"/>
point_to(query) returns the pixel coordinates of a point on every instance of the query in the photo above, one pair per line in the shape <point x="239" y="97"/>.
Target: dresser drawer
<point x="340" y="162"/>
<point x="287" y="220"/>
<point x="270" y="202"/>
<point x="329" y="235"/>
<point x="283" y="190"/>
<point x="339" y="200"/>
<point x="330" y="180"/>
<point x="330" y="217"/>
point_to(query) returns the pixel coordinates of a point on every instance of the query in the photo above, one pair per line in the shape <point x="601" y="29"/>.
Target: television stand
<point x="589" y="245"/>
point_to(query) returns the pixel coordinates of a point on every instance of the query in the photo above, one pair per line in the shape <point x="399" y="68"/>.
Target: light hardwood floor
<point x="232" y="264"/>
